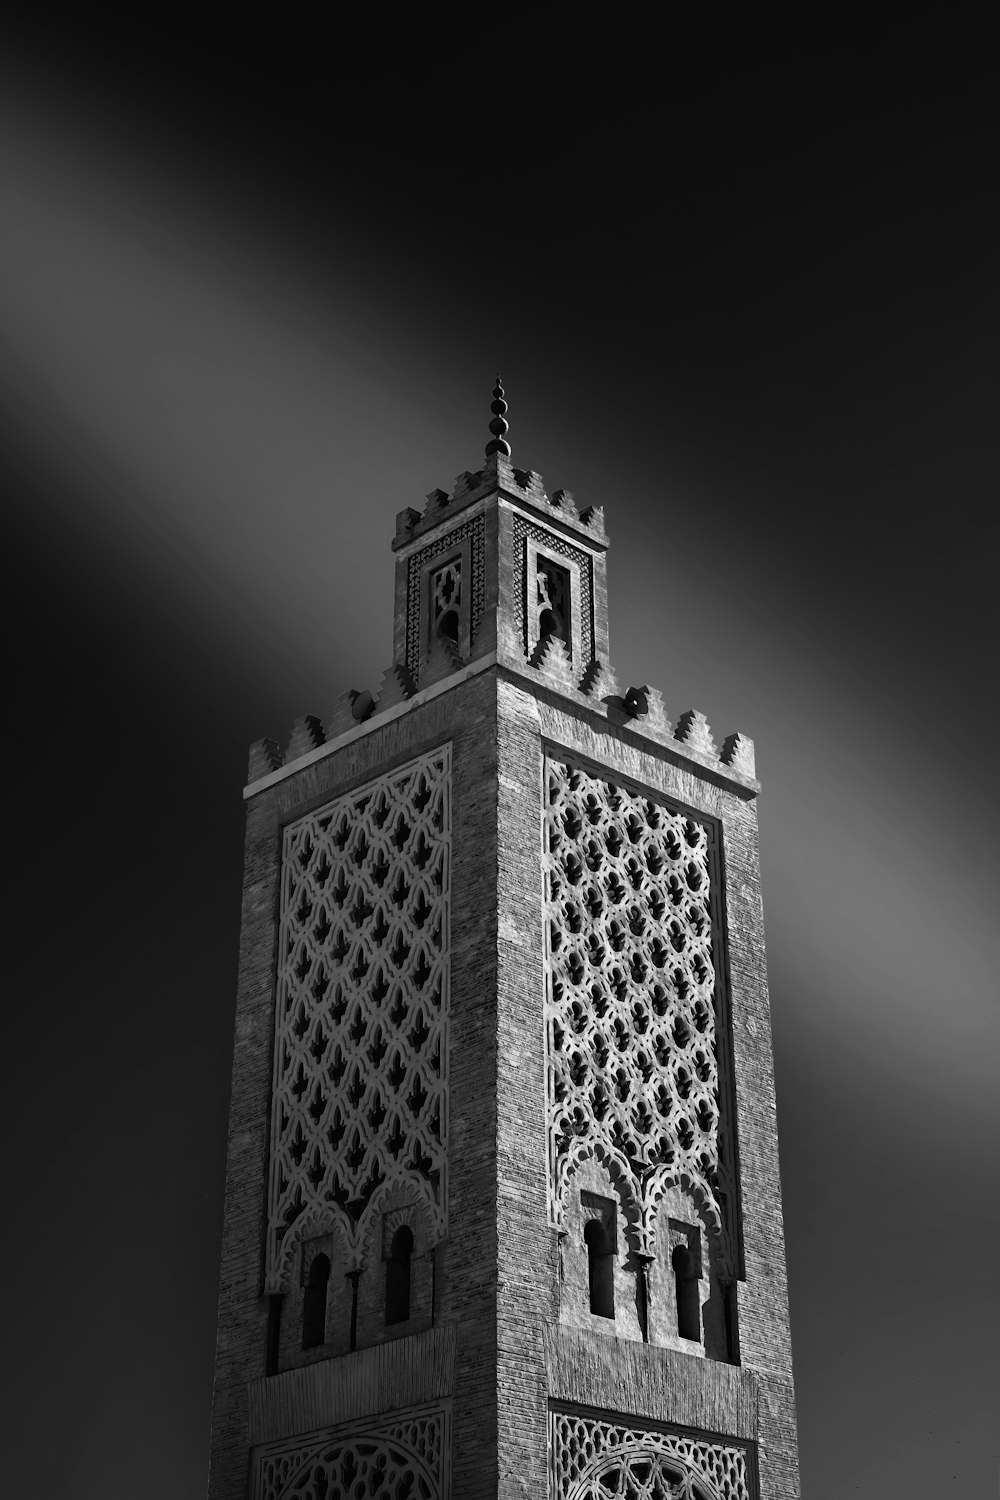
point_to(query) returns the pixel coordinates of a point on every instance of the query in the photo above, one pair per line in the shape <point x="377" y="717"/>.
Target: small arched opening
<point x="687" y="1289"/>
<point x="601" y="1269"/>
<point x="447" y="626"/>
<point x="397" y="1276"/>
<point x="314" y="1303"/>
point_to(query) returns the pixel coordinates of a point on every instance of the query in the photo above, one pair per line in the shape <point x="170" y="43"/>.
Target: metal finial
<point x="499" y="426"/>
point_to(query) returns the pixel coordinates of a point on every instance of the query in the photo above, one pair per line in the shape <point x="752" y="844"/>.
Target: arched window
<point x="601" y="1268"/>
<point x="397" y="1276"/>
<point x="314" y="1303"/>
<point x="688" y="1303"/>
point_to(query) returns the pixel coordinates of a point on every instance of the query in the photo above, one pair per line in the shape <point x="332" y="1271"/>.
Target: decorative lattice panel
<point x="549" y="542"/>
<point x="403" y="1459"/>
<point x="475" y="531"/>
<point x="636" y="1009"/>
<point x="360" y="1055"/>
<point x="593" y="1459"/>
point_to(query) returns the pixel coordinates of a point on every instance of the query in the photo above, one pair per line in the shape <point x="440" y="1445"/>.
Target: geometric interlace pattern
<point x="361" y="1048"/>
<point x="399" y="1460"/>
<point x="635" y="1000"/>
<point x="593" y="1460"/>
<point x="474" y="531"/>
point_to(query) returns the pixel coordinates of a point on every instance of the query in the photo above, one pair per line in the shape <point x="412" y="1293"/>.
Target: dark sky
<point x="254" y="285"/>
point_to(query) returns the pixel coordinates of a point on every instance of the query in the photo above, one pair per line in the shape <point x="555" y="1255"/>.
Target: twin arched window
<point x="397" y="1289"/>
<point x="601" y="1279"/>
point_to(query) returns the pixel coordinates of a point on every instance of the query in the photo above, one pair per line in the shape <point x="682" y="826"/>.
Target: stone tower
<point x="502" y="1211"/>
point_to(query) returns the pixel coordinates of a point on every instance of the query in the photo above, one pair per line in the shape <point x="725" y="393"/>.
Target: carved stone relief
<point x="359" y="1103"/>
<point x="636" y="1006"/>
<point x="592" y="1459"/>
<point x="404" y="1456"/>
<point x="446" y="591"/>
<point x="473" y="531"/>
<point x="549" y="542"/>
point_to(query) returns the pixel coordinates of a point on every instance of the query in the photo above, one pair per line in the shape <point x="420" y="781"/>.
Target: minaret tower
<point x="502" y="1212"/>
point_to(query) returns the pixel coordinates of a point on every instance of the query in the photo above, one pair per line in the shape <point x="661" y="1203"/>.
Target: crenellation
<point x="406" y="520"/>
<point x="443" y="661"/>
<point x="396" y="687"/>
<point x="343" y="716"/>
<point x="599" y="681"/>
<point x="738" y="752"/>
<point x="693" y="731"/>
<point x="532" y="483"/>
<point x="655" y="721"/>
<point x="598" y="687"/>
<point x="265" y="757"/>
<point x="307" y="734"/>
<point x="465" y="484"/>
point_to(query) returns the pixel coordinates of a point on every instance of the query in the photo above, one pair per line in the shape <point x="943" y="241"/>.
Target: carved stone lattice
<point x="361" y="1045"/>
<point x="592" y="1459"/>
<point x="636" y="1006"/>
<point x="475" y="530"/>
<point x="549" y="542"/>
<point x="552" y="595"/>
<point x="446" y="589"/>
<point x="405" y="1457"/>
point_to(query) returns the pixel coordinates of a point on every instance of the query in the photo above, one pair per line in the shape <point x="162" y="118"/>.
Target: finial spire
<point x="499" y="426"/>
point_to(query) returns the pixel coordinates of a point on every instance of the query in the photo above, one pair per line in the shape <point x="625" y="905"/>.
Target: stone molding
<point x="383" y="1378"/>
<point x="646" y="1381"/>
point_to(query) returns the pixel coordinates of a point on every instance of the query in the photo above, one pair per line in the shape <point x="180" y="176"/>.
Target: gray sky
<point x="237" y="338"/>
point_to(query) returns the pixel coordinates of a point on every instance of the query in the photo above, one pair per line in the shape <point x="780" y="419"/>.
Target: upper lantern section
<point x="499" y="573"/>
<point x="499" y="566"/>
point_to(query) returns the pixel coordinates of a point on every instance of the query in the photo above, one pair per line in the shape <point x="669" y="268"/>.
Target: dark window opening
<point x="601" y="1268"/>
<point x="688" y="1300"/>
<point x="550" y="624"/>
<point x="314" y="1303"/>
<point x="397" y="1276"/>
<point x="447" y="626"/>
<point x="553" y="602"/>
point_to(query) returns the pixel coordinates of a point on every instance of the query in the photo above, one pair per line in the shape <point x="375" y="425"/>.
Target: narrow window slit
<point x="601" y="1268"/>
<point x="314" y="1303"/>
<point x="687" y="1288"/>
<point x="397" y="1276"/>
